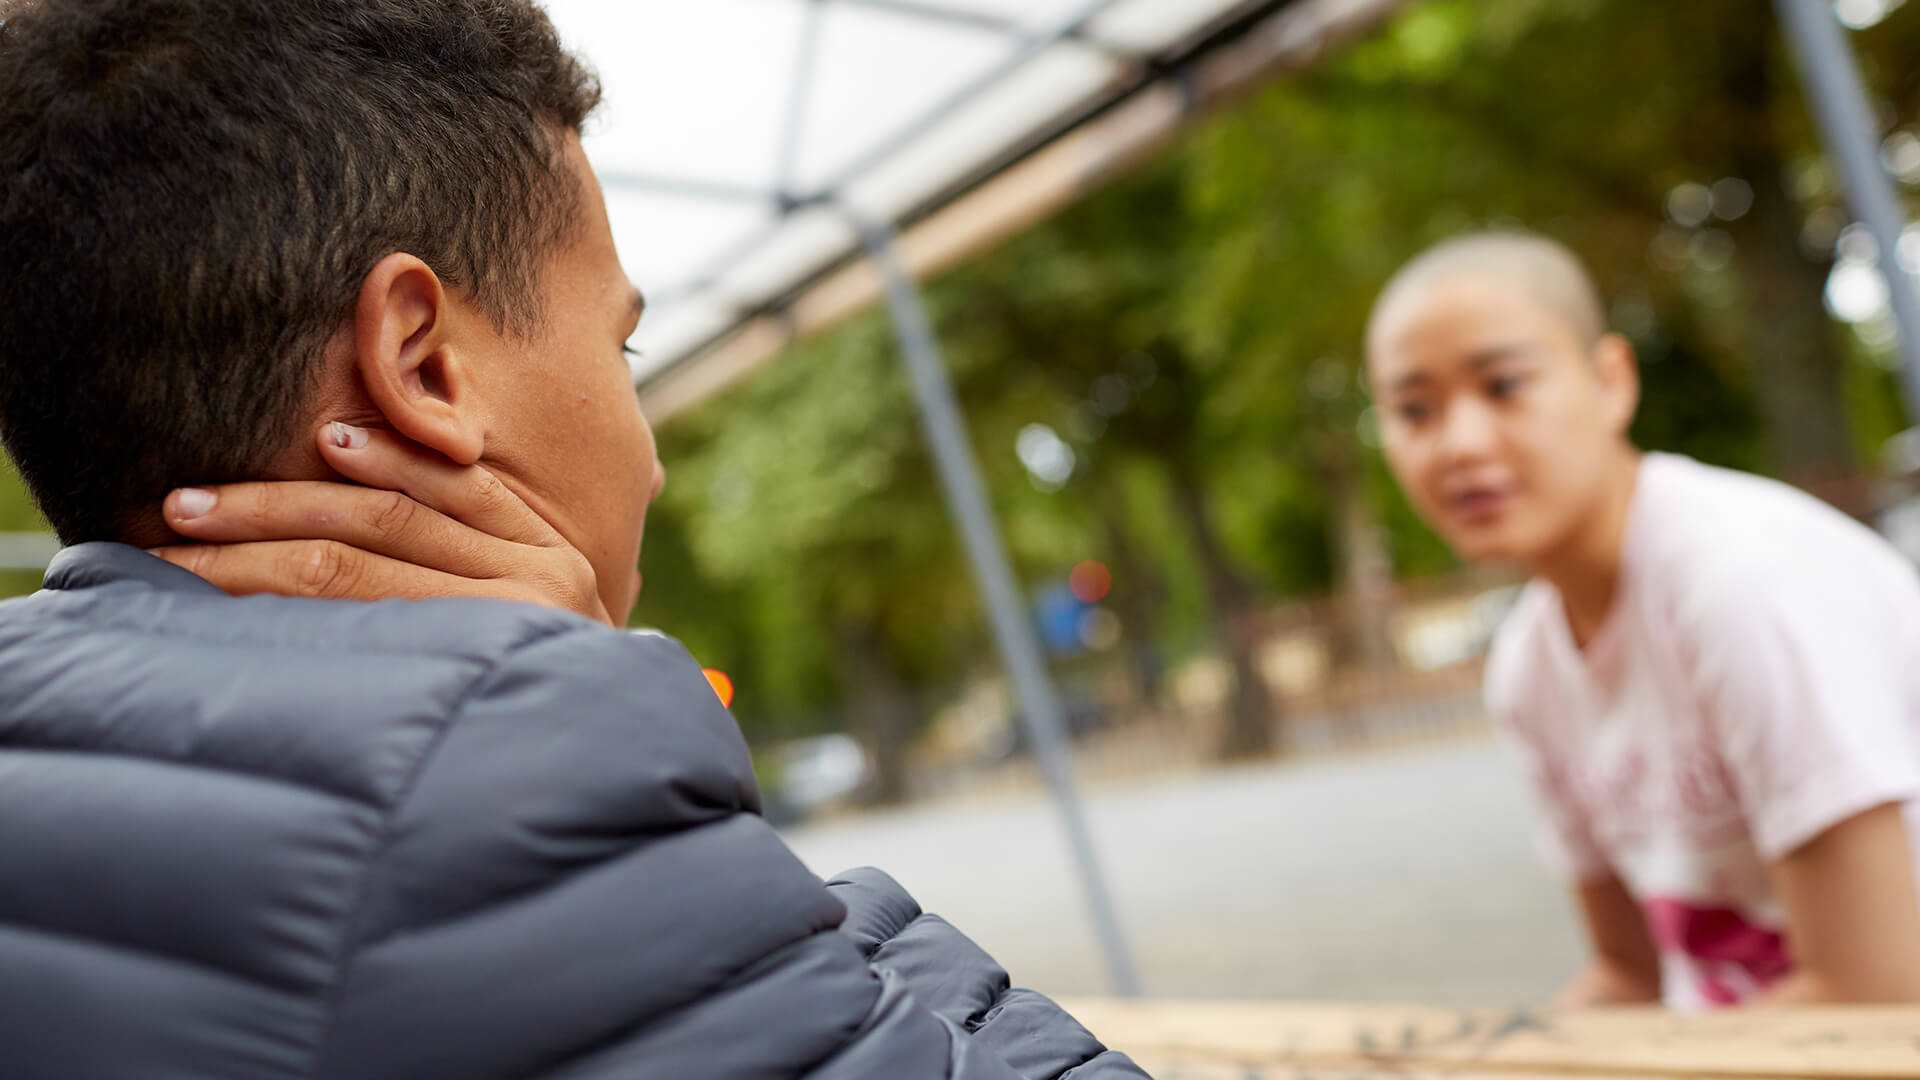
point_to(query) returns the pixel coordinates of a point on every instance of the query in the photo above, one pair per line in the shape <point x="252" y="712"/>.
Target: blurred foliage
<point x="1192" y="333"/>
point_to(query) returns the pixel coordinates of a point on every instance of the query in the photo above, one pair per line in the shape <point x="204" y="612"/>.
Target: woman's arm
<point x="1853" y="915"/>
<point x="1625" y="969"/>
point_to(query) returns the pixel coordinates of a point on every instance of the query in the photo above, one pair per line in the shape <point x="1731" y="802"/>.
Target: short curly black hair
<point x="191" y="192"/>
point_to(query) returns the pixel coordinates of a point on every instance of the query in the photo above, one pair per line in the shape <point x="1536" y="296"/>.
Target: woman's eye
<point x="1505" y="386"/>
<point x="1413" y="412"/>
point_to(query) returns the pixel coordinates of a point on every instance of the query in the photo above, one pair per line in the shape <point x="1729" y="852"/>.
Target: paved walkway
<point x="1406" y="877"/>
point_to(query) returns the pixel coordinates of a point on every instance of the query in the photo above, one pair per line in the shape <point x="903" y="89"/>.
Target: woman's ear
<point x="406" y="357"/>
<point x="1619" y="373"/>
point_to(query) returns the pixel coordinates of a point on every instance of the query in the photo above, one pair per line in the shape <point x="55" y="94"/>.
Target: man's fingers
<point x="328" y="570"/>
<point x="385" y="523"/>
<point x="409" y="524"/>
<point x="465" y="493"/>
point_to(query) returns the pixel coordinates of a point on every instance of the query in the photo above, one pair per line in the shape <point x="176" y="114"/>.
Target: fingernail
<point x="346" y="436"/>
<point x="190" y="503"/>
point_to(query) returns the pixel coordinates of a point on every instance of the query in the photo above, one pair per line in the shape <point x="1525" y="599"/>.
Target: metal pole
<point x="1840" y="104"/>
<point x="27" y="550"/>
<point x="798" y="100"/>
<point x="1019" y="649"/>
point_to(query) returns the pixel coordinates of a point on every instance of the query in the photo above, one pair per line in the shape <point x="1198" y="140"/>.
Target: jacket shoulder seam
<point x="346" y="952"/>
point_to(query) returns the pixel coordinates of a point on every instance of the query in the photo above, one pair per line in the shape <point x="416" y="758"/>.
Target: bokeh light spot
<point x="1090" y="581"/>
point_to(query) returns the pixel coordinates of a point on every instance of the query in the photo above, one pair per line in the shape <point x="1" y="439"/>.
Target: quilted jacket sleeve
<point x="962" y="985"/>
<point x="577" y="884"/>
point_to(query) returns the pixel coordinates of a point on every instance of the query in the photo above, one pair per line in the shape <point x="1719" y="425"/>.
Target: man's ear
<point x="406" y="357"/>
<point x="1619" y="372"/>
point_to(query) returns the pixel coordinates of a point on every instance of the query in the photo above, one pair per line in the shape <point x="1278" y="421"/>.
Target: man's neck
<point x="1585" y="570"/>
<point x="147" y="529"/>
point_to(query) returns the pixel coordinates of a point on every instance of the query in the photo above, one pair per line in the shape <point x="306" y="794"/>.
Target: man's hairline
<point x="534" y="320"/>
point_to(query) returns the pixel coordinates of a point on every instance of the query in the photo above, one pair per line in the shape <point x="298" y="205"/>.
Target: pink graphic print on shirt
<point x="1733" y="960"/>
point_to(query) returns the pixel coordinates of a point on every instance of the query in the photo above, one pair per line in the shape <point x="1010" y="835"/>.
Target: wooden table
<point x="1252" y="1040"/>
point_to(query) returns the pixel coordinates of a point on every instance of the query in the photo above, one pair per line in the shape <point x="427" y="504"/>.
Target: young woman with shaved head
<point x="1714" y="678"/>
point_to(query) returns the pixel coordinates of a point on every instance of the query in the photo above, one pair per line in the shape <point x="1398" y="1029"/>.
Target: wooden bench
<point x="1253" y="1040"/>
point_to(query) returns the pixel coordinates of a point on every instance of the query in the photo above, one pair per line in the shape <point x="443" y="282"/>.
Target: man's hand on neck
<point x="410" y="525"/>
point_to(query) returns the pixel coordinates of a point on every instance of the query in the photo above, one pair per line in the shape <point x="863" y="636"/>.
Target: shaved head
<point x="1504" y="403"/>
<point x="1542" y="270"/>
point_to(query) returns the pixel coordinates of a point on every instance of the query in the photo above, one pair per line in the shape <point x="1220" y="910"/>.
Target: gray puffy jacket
<point x="267" y="838"/>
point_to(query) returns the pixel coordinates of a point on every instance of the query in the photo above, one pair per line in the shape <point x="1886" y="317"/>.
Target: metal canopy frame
<point x="786" y="198"/>
<point x="1135" y="70"/>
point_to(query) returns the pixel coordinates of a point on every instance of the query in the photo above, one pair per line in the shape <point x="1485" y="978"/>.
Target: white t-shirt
<point x="1756" y="683"/>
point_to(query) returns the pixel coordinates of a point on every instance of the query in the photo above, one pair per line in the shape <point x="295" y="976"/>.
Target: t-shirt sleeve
<point x="1562" y="831"/>
<point x="1805" y="677"/>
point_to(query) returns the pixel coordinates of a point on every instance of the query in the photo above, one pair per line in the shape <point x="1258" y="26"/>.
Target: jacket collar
<point x="92" y="565"/>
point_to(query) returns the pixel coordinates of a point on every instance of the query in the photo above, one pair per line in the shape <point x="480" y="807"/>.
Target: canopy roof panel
<point x="741" y="140"/>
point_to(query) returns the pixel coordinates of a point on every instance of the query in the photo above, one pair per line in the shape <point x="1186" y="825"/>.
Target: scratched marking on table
<point x="1289" y="1073"/>
<point x="1406" y="1041"/>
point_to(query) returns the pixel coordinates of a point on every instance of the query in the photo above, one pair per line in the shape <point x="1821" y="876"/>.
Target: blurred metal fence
<point x="27" y="551"/>
<point x="1428" y="690"/>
